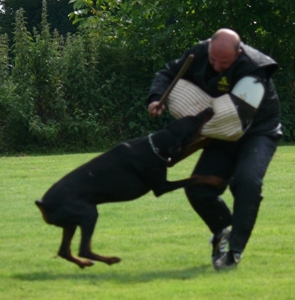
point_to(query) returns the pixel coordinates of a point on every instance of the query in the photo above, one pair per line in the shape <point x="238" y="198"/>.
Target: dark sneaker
<point x="219" y="243"/>
<point x="228" y="260"/>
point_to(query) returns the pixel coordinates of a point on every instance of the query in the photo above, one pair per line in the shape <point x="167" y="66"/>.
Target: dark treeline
<point x="85" y="88"/>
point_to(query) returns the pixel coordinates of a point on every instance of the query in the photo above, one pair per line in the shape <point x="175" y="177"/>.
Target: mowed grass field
<point x="163" y="244"/>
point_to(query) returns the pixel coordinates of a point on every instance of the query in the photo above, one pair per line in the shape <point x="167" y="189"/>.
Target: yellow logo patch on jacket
<point x="223" y="85"/>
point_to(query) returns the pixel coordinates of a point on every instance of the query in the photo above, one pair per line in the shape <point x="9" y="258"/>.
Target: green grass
<point x="162" y="242"/>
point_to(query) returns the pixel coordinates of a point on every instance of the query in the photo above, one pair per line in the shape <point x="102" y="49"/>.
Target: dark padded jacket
<point x="201" y="73"/>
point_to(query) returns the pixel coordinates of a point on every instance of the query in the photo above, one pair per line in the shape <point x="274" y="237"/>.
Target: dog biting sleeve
<point x="232" y="112"/>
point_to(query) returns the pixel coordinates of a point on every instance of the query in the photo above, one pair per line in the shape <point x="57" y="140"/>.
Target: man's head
<point x="224" y="49"/>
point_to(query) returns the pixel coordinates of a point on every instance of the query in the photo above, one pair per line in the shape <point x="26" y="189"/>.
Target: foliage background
<point x="83" y="86"/>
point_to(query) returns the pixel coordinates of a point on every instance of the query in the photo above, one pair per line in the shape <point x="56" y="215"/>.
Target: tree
<point x="159" y="30"/>
<point x="153" y="23"/>
<point x="58" y="11"/>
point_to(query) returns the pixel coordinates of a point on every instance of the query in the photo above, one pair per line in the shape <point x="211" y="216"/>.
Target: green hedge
<point x="70" y="94"/>
<point x="82" y="92"/>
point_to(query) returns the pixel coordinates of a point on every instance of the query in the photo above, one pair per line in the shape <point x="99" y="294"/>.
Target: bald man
<point x="220" y="64"/>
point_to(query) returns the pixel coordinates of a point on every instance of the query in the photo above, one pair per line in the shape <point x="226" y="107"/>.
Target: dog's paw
<point x="112" y="260"/>
<point x="109" y="260"/>
<point x="82" y="263"/>
<point x="211" y="180"/>
<point x="86" y="263"/>
<point x="217" y="182"/>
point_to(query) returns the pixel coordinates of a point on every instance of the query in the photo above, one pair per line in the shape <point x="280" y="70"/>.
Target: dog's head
<point x="187" y="130"/>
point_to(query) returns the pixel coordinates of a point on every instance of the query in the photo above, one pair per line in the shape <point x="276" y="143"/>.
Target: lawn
<point x="162" y="242"/>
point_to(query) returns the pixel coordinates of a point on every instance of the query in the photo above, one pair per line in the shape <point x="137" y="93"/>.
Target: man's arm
<point x="164" y="77"/>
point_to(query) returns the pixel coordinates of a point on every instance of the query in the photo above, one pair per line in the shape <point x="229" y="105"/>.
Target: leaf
<point x="180" y="9"/>
<point x="131" y="124"/>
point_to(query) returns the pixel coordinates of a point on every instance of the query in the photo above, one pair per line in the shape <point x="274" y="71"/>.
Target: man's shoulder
<point x="200" y="49"/>
<point x="201" y="46"/>
<point x="259" y="59"/>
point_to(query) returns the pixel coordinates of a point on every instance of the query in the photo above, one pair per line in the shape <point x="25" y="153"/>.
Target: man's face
<point x="221" y="55"/>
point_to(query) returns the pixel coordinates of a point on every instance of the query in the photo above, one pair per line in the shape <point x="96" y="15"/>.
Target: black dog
<point x="126" y="172"/>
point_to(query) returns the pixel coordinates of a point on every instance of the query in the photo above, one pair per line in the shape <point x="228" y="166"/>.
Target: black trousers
<point x="243" y="164"/>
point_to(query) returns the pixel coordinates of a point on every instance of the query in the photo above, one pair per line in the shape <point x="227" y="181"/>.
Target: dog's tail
<point x="43" y="211"/>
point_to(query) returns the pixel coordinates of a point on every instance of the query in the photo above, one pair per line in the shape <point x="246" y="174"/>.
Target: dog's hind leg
<point x="87" y="229"/>
<point x="65" y="250"/>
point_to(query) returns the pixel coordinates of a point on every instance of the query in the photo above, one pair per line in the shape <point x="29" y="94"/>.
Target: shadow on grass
<point x="121" y="277"/>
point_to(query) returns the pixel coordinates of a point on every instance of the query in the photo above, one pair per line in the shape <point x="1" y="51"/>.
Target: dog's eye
<point x="178" y="149"/>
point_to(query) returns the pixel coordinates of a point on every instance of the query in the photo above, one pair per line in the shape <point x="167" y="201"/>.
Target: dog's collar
<point x="156" y="150"/>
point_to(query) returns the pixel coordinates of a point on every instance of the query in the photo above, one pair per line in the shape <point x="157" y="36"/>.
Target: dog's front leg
<point x="211" y="180"/>
<point x="156" y="178"/>
<point x="162" y="187"/>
